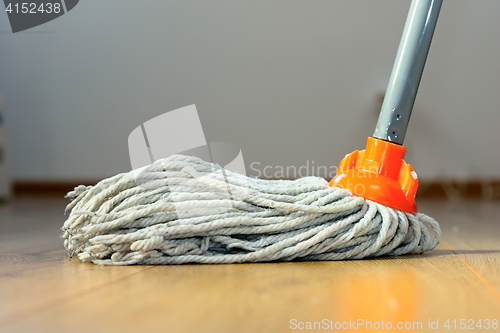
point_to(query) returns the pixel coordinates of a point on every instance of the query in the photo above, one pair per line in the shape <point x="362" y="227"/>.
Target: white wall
<point x="289" y="81"/>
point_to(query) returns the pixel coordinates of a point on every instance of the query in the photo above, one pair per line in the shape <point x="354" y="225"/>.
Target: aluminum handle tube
<point x="407" y="70"/>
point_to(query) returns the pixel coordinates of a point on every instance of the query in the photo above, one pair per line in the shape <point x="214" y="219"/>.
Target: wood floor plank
<point x="31" y="225"/>
<point x="35" y="271"/>
<point x="266" y="297"/>
<point x="471" y="229"/>
<point x="41" y="290"/>
<point x="44" y="281"/>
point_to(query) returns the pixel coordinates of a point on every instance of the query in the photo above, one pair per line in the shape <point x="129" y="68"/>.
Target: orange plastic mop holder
<point x="379" y="174"/>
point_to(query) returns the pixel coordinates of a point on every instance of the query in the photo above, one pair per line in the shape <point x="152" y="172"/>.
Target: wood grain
<point x="42" y="290"/>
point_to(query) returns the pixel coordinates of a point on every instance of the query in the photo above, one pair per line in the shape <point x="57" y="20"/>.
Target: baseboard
<point x="47" y="188"/>
<point x="487" y="190"/>
<point x="452" y="189"/>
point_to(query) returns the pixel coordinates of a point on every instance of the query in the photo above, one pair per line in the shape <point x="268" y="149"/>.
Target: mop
<point x="182" y="209"/>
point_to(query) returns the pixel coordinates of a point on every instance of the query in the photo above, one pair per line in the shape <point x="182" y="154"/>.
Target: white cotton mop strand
<point x="184" y="210"/>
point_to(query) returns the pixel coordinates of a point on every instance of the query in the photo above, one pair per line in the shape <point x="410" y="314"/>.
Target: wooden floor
<point x="458" y="283"/>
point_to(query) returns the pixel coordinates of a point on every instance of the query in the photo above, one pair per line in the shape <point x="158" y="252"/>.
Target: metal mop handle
<point x="407" y="71"/>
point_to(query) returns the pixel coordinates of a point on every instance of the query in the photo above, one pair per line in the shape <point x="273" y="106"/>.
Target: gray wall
<point x="288" y="81"/>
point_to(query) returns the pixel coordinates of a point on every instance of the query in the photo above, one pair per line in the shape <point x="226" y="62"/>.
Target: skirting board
<point x="450" y="189"/>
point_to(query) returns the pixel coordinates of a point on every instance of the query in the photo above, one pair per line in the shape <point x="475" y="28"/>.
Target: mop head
<point x="184" y="210"/>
